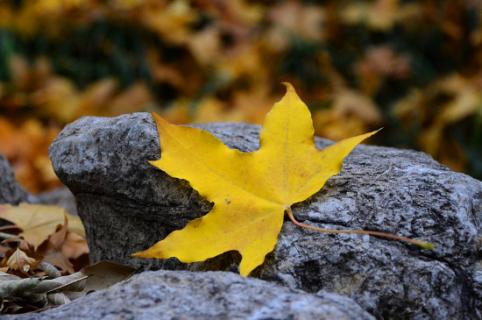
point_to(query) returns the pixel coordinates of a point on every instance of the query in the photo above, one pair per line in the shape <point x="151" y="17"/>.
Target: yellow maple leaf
<point x="250" y="191"/>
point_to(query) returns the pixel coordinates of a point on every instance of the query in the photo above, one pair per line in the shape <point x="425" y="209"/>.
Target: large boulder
<point x="10" y="190"/>
<point x="203" y="295"/>
<point x="127" y="205"/>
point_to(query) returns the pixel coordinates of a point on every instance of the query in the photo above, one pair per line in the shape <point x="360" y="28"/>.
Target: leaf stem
<point x="420" y="243"/>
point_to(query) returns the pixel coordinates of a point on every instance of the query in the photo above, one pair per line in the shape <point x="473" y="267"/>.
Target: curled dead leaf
<point x="21" y="262"/>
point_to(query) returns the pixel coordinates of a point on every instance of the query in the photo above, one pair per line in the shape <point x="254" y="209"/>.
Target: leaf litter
<point x="44" y="260"/>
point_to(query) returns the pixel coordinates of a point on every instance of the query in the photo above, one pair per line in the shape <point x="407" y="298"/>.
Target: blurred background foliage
<point x="412" y="67"/>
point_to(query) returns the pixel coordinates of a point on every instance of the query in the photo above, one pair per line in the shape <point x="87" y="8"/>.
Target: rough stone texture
<point x="203" y="295"/>
<point x="128" y="205"/>
<point x="10" y="191"/>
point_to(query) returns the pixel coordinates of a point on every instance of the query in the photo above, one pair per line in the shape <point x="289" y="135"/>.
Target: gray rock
<point x="10" y="190"/>
<point x="203" y="295"/>
<point x="127" y="205"/>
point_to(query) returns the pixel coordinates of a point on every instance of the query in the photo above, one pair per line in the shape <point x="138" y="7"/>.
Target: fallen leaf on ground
<point x="105" y="274"/>
<point x="250" y="191"/>
<point x="39" y="221"/>
<point x="21" y="262"/>
<point x="74" y="246"/>
<point x="19" y="295"/>
<point x="62" y="246"/>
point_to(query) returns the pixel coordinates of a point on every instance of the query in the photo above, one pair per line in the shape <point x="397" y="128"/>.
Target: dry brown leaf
<point x="74" y="246"/>
<point x="21" y="262"/>
<point x="57" y="259"/>
<point x="62" y="246"/>
<point x="39" y="221"/>
<point x="104" y="274"/>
